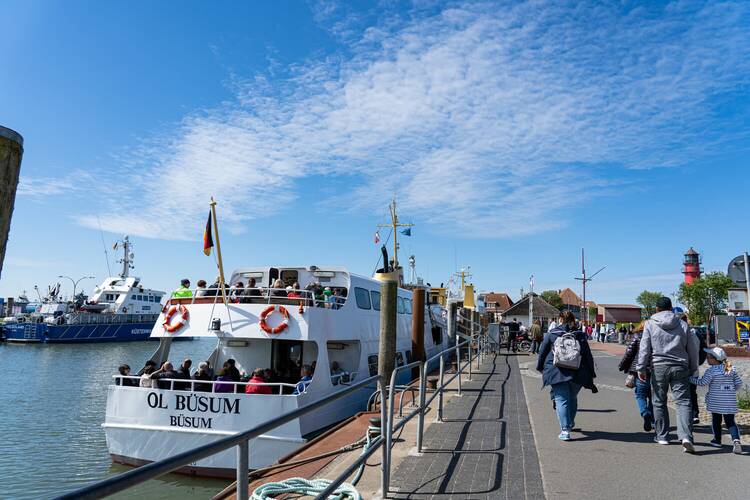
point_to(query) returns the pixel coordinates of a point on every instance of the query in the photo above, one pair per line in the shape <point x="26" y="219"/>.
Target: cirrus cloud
<point x="506" y="111"/>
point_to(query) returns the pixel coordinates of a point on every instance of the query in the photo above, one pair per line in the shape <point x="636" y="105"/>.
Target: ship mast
<point x="394" y="225"/>
<point x="127" y="258"/>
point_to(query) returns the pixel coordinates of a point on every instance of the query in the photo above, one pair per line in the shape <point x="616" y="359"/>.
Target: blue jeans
<point x="643" y="397"/>
<point x="566" y="399"/>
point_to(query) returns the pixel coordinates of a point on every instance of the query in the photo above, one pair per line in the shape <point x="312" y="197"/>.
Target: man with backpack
<point x="567" y="365"/>
<point x="671" y="352"/>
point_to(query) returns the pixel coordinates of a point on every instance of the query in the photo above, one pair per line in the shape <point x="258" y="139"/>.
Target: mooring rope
<point x="313" y="487"/>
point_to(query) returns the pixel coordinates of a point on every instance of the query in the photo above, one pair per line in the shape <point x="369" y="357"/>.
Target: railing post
<point x="385" y="467"/>
<point x="242" y="470"/>
<point x="468" y="344"/>
<point x="440" y="390"/>
<point x="420" y="421"/>
<point x="458" y="367"/>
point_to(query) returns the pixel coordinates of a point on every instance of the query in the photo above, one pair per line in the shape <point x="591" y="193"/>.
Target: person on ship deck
<point x="257" y="384"/>
<point x="166" y="371"/>
<point x="183" y="292"/>
<point x="202" y="373"/>
<point x="306" y="373"/>
<point x="184" y="373"/>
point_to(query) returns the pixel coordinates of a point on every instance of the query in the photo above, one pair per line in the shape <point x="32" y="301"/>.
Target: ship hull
<point x="77" y="333"/>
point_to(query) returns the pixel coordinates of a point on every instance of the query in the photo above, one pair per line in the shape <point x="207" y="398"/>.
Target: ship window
<point x="139" y="297"/>
<point x="372" y="364"/>
<point x="399" y="359"/>
<point x="375" y="300"/>
<point x="407" y="304"/>
<point x="146" y="308"/>
<point x="289" y="277"/>
<point x="363" y="298"/>
<point x="437" y="335"/>
<point x="409" y="357"/>
<point x="134" y="297"/>
<point x="400" y="305"/>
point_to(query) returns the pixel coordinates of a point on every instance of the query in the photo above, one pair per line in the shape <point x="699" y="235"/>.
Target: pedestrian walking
<point x="642" y="388"/>
<point x="602" y="332"/>
<point x="721" y="399"/>
<point x="567" y="365"/>
<point x="535" y="332"/>
<point x="694" y="409"/>
<point x="671" y="354"/>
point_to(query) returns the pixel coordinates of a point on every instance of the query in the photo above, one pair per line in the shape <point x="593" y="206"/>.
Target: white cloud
<point x="501" y="112"/>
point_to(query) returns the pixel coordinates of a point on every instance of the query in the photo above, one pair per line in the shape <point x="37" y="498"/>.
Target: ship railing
<point x="343" y="378"/>
<point x="265" y="295"/>
<point x="183" y="382"/>
<point x="105" y="319"/>
<point x="240" y="441"/>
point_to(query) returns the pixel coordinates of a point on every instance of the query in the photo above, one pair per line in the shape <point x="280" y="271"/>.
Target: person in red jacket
<point x="261" y="387"/>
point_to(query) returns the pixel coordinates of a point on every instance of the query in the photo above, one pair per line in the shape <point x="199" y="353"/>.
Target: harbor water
<point x="52" y="405"/>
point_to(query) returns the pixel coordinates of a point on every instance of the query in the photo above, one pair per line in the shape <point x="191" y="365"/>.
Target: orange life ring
<point x="281" y="326"/>
<point x="173" y="327"/>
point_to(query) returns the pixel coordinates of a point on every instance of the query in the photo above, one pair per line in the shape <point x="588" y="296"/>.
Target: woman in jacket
<point x="642" y="389"/>
<point x="566" y="382"/>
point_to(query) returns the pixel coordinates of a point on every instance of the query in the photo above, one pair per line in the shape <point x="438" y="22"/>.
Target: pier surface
<point x="484" y="448"/>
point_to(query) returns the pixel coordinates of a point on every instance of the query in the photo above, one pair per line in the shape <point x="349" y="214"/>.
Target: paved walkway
<point x="483" y="449"/>
<point x="612" y="457"/>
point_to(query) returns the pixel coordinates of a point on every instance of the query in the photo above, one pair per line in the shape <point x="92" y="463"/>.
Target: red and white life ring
<point x="170" y="327"/>
<point x="281" y="326"/>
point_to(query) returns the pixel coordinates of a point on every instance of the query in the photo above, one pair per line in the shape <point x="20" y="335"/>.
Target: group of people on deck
<point x="228" y="380"/>
<point x="314" y="293"/>
<point x="663" y="356"/>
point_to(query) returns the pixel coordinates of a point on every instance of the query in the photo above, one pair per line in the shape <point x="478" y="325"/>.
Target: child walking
<point x="721" y="400"/>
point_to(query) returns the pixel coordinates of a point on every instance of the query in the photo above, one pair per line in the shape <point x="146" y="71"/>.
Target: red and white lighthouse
<point x="691" y="266"/>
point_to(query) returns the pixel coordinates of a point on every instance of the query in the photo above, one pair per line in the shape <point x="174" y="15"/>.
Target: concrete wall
<point x="11" y="152"/>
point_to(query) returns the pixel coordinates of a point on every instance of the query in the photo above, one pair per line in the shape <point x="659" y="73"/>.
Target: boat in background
<point x="120" y="309"/>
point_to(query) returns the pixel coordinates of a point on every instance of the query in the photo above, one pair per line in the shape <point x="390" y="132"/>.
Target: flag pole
<point x="218" y="251"/>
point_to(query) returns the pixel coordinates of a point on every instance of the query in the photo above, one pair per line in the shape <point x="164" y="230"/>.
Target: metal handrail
<point x="213" y="383"/>
<point x="137" y="476"/>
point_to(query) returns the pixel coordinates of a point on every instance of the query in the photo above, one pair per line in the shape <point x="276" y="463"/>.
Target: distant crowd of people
<point x="228" y="380"/>
<point x="313" y="294"/>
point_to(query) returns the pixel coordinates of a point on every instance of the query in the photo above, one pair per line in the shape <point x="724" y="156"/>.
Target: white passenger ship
<point x="148" y="424"/>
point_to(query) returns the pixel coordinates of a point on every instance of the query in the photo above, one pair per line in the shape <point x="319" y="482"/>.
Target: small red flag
<point x="208" y="240"/>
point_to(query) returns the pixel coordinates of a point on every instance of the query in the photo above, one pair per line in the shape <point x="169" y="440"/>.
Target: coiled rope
<point x="313" y="487"/>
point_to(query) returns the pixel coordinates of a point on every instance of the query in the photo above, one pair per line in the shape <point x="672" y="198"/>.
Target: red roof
<point x="502" y="300"/>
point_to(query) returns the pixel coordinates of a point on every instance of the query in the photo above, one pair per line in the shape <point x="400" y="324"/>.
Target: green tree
<point x="707" y="293"/>
<point x="648" y="300"/>
<point x="552" y="298"/>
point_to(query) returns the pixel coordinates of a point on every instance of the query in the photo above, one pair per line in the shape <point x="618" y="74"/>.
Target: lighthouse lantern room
<point x="691" y="266"/>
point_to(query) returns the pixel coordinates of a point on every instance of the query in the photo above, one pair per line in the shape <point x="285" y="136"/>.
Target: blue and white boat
<point x="119" y="309"/>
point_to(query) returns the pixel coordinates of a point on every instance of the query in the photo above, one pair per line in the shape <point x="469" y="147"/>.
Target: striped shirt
<point x="722" y="389"/>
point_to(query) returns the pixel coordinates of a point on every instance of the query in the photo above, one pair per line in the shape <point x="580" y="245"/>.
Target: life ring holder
<point x="281" y="326"/>
<point x="170" y="327"/>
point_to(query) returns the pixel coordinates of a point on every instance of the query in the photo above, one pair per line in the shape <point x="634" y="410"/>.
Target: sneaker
<point x="696" y="420"/>
<point x="647" y="423"/>
<point x="737" y="447"/>
<point x="661" y="441"/>
<point x="687" y="446"/>
<point x="715" y="443"/>
<point x="564" y="436"/>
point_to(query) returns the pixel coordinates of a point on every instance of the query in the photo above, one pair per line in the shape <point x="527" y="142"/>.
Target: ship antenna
<point x="104" y="245"/>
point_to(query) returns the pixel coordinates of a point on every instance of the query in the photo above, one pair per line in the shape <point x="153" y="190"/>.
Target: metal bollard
<point x="242" y="470"/>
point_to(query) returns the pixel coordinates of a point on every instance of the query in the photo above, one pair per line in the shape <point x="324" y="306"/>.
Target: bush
<point x="743" y="399"/>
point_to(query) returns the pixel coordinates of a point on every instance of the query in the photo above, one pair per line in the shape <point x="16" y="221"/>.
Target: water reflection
<point x="52" y="404"/>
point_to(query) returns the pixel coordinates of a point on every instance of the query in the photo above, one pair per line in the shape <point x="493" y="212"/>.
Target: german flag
<point x="208" y="240"/>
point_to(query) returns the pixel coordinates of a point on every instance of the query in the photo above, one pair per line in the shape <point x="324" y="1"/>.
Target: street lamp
<point x="75" y="282"/>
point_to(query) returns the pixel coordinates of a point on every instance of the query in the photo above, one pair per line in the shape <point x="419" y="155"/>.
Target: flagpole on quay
<point x="218" y="251"/>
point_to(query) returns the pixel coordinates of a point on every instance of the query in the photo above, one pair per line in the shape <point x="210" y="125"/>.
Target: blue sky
<point x="512" y="134"/>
